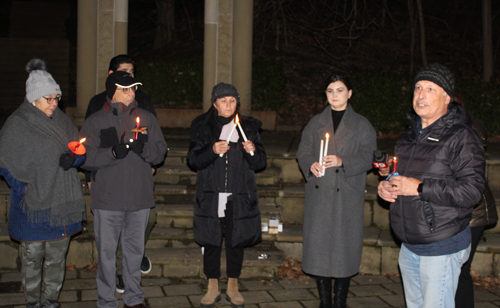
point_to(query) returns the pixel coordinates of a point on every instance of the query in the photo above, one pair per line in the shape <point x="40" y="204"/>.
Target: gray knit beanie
<point x="40" y="82"/>
<point x="440" y="75"/>
<point x="224" y="89"/>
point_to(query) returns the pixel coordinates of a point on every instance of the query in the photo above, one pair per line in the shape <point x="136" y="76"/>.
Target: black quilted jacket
<point x="448" y="158"/>
<point x="234" y="172"/>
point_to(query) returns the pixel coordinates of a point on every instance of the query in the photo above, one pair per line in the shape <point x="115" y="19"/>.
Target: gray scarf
<point x="30" y="146"/>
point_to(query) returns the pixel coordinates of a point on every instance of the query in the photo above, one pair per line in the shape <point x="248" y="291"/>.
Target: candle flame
<point x="327" y="136"/>
<point x="237" y="120"/>
<point x="83" y="140"/>
<point x="395" y="159"/>
<point x="138" y="120"/>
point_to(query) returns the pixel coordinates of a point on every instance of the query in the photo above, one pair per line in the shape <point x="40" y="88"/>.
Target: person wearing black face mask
<point x="226" y="200"/>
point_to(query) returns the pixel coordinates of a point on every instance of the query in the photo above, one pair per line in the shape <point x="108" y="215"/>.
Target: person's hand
<point x="249" y="146"/>
<point x="316" y="169"/>
<point x="220" y="147"/>
<point x="404" y="186"/>
<point x="136" y="146"/>
<point x="386" y="191"/>
<point x="332" y="161"/>
<point x="66" y="161"/>
<point x="120" y="151"/>
<point x="385" y="171"/>
<point x="88" y="185"/>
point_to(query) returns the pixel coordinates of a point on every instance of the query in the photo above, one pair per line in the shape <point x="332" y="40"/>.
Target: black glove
<point x="136" y="146"/>
<point x="120" y="151"/>
<point x="66" y="161"/>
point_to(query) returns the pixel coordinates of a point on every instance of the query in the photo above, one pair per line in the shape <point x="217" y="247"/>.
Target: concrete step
<point x="182" y="174"/>
<point x="181" y="215"/>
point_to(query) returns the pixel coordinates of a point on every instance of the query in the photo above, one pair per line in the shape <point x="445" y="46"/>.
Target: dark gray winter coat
<point x="334" y="203"/>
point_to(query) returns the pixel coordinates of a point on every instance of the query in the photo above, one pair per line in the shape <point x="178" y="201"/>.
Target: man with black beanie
<point x="441" y="162"/>
<point x="123" y="141"/>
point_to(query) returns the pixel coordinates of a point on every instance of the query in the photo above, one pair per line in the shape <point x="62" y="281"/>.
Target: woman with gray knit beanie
<point x="47" y="204"/>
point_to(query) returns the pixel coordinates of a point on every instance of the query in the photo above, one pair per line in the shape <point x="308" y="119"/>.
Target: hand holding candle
<point x="243" y="134"/>
<point x="236" y="121"/>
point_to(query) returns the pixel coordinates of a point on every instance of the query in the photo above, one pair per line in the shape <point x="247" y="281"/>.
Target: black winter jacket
<point x="234" y="172"/>
<point x="485" y="212"/>
<point x="448" y="158"/>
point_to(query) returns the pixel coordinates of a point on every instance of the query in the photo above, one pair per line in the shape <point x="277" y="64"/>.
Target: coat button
<point x="316" y="186"/>
<point x="338" y="189"/>
<point x="337" y="171"/>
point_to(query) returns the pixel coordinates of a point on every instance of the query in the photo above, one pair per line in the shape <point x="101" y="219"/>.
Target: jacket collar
<point x="344" y="132"/>
<point x="456" y="114"/>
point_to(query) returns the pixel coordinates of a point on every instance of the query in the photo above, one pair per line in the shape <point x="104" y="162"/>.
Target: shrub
<point x="176" y="83"/>
<point x="268" y="85"/>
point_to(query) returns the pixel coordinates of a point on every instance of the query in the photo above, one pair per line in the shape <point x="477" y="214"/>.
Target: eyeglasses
<point x="50" y="100"/>
<point x="126" y="90"/>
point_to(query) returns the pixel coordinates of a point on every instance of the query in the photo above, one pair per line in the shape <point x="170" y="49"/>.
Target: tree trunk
<point x="165" y="23"/>
<point x="412" y="38"/>
<point x="422" y="33"/>
<point x="487" y="42"/>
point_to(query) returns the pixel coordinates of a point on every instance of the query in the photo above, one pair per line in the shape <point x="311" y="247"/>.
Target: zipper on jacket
<point x="404" y="174"/>
<point x="225" y="171"/>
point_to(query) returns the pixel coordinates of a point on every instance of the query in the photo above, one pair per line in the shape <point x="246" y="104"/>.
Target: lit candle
<point x="137" y="126"/>
<point x="244" y="136"/>
<point x="395" y="166"/>
<point x="231" y="133"/>
<point x="76" y="147"/>
<point x="321" y="156"/>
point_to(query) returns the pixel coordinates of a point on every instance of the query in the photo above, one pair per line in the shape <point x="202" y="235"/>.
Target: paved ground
<point x="79" y="291"/>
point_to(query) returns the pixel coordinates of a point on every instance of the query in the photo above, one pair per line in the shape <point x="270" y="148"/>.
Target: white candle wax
<point x="244" y="136"/>
<point x="321" y="156"/>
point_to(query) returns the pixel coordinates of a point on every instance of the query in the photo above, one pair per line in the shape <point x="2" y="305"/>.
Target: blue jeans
<point x="431" y="282"/>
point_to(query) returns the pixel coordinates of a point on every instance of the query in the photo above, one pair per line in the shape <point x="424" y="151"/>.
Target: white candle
<point x="229" y="138"/>
<point x="244" y="136"/>
<point x="321" y="156"/>
<point x="326" y="149"/>
<point x="326" y="144"/>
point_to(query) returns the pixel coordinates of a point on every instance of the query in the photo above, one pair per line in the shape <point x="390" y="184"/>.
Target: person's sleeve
<point x="305" y="153"/>
<point x="97" y="158"/>
<point x="17" y="188"/>
<point x="361" y="161"/>
<point x="200" y="154"/>
<point x="156" y="147"/>
<point x="468" y="165"/>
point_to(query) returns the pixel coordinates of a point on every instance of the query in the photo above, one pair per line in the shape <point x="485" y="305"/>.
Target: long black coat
<point x="236" y="169"/>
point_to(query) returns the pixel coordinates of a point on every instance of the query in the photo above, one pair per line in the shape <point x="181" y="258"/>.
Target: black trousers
<point x="234" y="255"/>
<point x="464" y="297"/>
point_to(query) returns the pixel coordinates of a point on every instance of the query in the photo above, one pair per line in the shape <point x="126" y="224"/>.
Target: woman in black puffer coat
<point x="226" y="202"/>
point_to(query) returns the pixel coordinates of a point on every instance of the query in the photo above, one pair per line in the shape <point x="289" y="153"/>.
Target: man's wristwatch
<point x="420" y="188"/>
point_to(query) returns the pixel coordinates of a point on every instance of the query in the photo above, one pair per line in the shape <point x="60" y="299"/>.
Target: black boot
<point x="341" y="288"/>
<point x="324" y="291"/>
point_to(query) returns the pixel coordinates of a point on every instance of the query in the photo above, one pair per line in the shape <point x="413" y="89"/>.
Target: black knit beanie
<point x="440" y="75"/>
<point x="224" y="89"/>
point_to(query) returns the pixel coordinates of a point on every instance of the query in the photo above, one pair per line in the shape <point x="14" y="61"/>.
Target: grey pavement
<point x="371" y="291"/>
